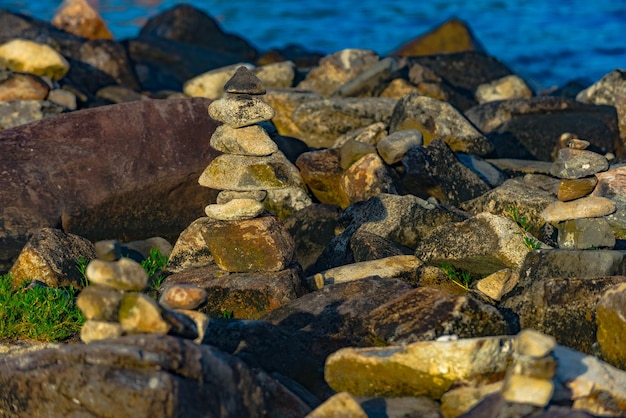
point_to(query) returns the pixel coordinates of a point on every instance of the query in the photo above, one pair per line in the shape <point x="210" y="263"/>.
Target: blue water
<point x="548" y="42"/>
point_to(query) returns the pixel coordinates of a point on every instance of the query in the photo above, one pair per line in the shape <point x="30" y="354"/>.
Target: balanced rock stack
<point x="578" y="216"/>
<point x="114" y="305"/>
<point x="242" y="236"/>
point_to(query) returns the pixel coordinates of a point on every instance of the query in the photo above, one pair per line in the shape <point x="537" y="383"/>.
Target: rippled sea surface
<point x="547" y="42"/>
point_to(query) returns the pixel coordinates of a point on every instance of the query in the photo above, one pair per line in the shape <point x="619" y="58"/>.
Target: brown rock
<point x="571" y="189"/>
<point x="367" y="178"/>
<point x="79" y="18"/>
<point x="451" y="36"/>
<point x="183" y="296"/>
<point x="427" y="313"/>
<point x="126" y="192"/>
<point x="284" y="102"/>
<point x="611" y="320"/>
<point x="259" y="244"/>
<point x="16" y="86"/>
<point x="321" y="171"/>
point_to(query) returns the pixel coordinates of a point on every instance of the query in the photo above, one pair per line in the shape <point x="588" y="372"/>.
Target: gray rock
<point x="244" y="81"/>
<point x="50" y="256"/>
<point x="320" y="122"/>
<point x="393" y="147"/>
<point x="284" y="102"/>
<point x="190" y="249"/>
<point x="435" y="171"/>
<point x="606" y="90"/>
<point x="249" y="140"/>
<point x="366" y="246"/>
<point x="100" y="303"/>
<point x="370" y="134"/>
<point x="21" y="112"/>
<point x="97" y="330"/>
<point x="585" y="233"/>
<point x="240" y="111"/>
<point x="505" y="88"/>
<point x="371" y="81"/>
<point x="426" y="314"/>
<point x="437" y="119"/>
<point x="483" y="244"/>
<point x="155" y="377"/>
<point x="287" y="200"/>
<point x="576" y="163"/>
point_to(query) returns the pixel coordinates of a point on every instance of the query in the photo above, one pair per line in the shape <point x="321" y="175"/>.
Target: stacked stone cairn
<point x="580" y="218"/>
<point x="242" y="236"/>
<point x="114" y="304"/>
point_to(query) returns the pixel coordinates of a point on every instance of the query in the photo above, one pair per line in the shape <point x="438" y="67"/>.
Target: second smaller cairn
<point x="243" y="237"/>
<point x="580" y="218"/>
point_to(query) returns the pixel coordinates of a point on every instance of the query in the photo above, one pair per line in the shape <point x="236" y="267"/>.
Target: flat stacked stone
<point x="578" y="216"/>
<point x="243" y="237"/>
<point x="114" y="305"/>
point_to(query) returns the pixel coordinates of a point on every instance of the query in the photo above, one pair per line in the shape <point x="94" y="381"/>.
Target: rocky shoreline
<point x="348" y="235"/>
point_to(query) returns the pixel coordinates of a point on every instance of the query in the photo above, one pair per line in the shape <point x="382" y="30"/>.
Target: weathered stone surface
<point x="259" y="244"/>
<point x="244" y="81"/>
<point x="528" y="390"/>
<point x="130" y="189"/>
<point x="585" y="233"/>
<point x="17" y="86"/>
<point x="399" y="87"/>
<point x="436" y="171"/>
<point x="393" y="147"/>
<point x="21" y="112"/>
<point x="321" y="171"/>
<point x="244" y="295"/>
<point x="458" y="401"/>
<point x="50" y="256"/>
<point x="249" y="140"/>
<point x="399" y="267"/>
<point x="287" y="200"/>
<point x="366" y="178"/>
<point x="352" y="150"/>
<point x="64" y="98"/>
<point x="531" y="128"/>
<point x="402" y="219"/>
<point x="371" y="81"/>
<point x="336" y="69"/>
<point x="422" y="368"/>
<point x="322" y="121"/>
<point x="339" y="405"/>
<point x="606" y="90"/>
<point x="563" y="307"/>
<point x="483" y="244"/>
<point x="498" y="284"/>
<point x="190" y="249"/>
<point x="157" y="376"/>
<point x="426" y="314"/>
<point x="79" y="18"/>
<point x="139" y="313"/>
<point x="611" y="320"/>
<point x="183" y="296"/>
<point x="611" y="185"/>
<point x="312" y="228"/>
<point x="576" y="163"/>
<point x="284" y="102"/>
<point x="235" y="210"/>
<point x="277" y="75"/>
<point x="585" y="207"/>
<point x="366" y="246"/>
<point x="505" y="88"/>
<point x="437" y="119"/>
<point x="226" y="196"/>
<point x="453" y="35"/>
<point x="571" y="189"/>
<point x="460" y="73"/>
<point x="26" y="56"/>
<point x="123" y="274"/>
<point x="242" y="173"/>
<point x="100" y="303"/>
<point x="370" y="134"/>
<point x="238" y="111"/>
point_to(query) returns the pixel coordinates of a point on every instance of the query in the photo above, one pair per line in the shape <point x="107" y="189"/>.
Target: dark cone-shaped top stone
<point x="244" y="81"/>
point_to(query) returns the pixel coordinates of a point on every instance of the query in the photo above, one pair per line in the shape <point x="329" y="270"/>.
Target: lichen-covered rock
<point x="611" y="320"/>
<point x="26" y="56"/>
<point x="321" y="171"/>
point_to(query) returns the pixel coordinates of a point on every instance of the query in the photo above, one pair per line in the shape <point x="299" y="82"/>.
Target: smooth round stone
<point x="244" y="81"/>
<point x="24" y="56"/>
<point x="109" y="250"/>
<point x="139" y="313"/>
<point x="240" y="111"/>
<point x="235" y="210"/>
<point x="533" y="343"/>
<point x="574" y="163"/>
<point x="93" y="330"/>
<point x="570" y="189"/>
<point x="249" y="140"/>
<point x="183" y="296"/>
<point x="226" y="196"/>
<point x="393" y="147"/>
<point x="586" y="207"/>
<point x="124" y="274"/>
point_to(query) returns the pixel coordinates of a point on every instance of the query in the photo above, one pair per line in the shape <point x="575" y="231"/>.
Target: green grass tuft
<point x="462" y="279"/>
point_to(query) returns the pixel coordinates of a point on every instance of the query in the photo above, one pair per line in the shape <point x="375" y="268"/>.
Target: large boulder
<point x="126" y="171"/>
<point x="140" y="376"/>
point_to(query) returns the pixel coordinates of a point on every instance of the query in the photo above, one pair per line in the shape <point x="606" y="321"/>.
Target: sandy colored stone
<point x="611" y="319"/>
<point x="341" y="405"/>
<point x="22" y="87"/>
<point x="124" y="274"/>
<point x="99" y="303"/>
<point x="25" y="56"/>
<point x="586" y="207"/>
<point x="249" y="140"/>
<point x="398" y="88"/>
<point x="235" y="210"/>
<point x="498" y="284"/>
<point x="366" y="178"/>
<point x="505" y="88"/>
<point x="79" y="18"/>
<point x="93" y="330"/>
<point x="241" y="111"/>
<point x="139" y="313"/>
<point x="393" y="147"/>
<point x="183" y="296"/>
<point x="211" y="83"/>
<point x="528" y="390"/>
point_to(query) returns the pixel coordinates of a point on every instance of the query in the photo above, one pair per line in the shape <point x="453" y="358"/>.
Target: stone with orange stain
<point x="366" y="178"/>
<point x="79" y="18"/>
